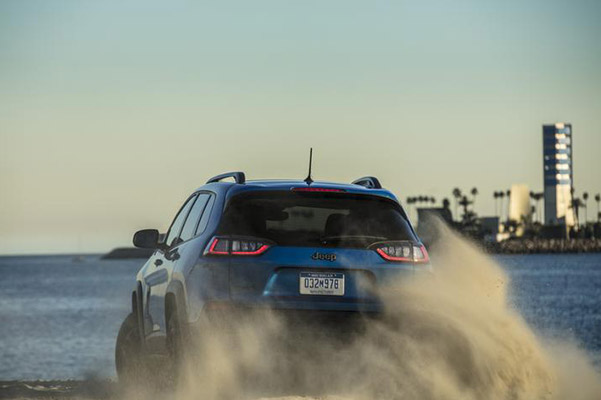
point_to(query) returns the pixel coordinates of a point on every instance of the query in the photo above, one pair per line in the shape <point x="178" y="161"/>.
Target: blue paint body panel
<point x="267" y="280"/>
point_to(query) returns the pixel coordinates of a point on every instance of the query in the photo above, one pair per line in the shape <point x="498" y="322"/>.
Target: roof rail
<point x="370" y="182"/>
<point x="239" y="177"/>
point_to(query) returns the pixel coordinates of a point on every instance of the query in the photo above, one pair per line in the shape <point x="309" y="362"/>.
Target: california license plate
<point x="321" y="283"/>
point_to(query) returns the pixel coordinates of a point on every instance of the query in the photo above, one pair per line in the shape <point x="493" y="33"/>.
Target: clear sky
<point x="113" y="112"/>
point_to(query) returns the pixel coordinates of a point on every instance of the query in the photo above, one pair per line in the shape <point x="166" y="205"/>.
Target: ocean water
<point x="59" y="316"/>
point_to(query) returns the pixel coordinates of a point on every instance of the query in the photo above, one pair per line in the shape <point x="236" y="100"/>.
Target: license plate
<point x="321" y="283"/>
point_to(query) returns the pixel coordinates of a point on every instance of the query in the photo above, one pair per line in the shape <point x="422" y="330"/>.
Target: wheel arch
<point x="175" y="300"/>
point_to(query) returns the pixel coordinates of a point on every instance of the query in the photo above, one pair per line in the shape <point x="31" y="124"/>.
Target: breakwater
<point x="539" y="245"/>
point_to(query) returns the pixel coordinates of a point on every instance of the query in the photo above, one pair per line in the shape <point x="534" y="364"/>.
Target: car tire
<point x="128" y="353"/>
<point x="176" y="339"/>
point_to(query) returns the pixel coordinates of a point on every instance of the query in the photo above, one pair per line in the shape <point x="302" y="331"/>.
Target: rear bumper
<point x="227" y="318"/>
<point x="260" y="287"/>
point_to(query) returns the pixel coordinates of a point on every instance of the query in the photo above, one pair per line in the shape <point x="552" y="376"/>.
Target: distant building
<point x="558" y="174"/>
<point x="520" y="210"/>
<point x="489" y="226"/>
<point x="519" y="203"/>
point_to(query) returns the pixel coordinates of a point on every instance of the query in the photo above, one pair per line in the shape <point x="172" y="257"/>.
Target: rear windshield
<point x="315" y="219"/>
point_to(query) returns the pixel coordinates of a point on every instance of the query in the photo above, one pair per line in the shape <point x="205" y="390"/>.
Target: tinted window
<point x="205" y="216"/>
<point x="316" y="219"/>
<point x="188" y="232"/>
<point x="176" y="225"/>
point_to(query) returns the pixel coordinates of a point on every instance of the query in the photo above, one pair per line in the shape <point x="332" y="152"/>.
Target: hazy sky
<point x="113" y="112"/>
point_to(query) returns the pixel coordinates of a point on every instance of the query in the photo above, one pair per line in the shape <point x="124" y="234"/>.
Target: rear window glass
<point x="315" y="219"/>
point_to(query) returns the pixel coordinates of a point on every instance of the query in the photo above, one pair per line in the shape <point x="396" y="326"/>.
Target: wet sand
<point x="71" y="389"/>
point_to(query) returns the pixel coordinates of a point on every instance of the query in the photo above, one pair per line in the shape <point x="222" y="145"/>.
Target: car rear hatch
<point x="314" y="250"/>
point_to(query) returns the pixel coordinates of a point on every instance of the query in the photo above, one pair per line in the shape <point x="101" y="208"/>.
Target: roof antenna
<point x="308" y="179"/>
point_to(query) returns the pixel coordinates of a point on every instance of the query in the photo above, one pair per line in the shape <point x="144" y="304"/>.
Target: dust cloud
<point x="449" y="334"/>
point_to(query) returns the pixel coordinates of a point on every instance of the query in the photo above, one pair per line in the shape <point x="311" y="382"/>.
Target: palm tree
<point x="465" y="202"/>
<point x="576" y="204"/>
<point x="502" y="196"/>
<point x="536" y="208"/>
<point x="533" y="207"/>
<point x="474" y="194"/>
<point x="496" y="197"/>
<point x="538" y="197"/>
<point x="585" y="198"/>
<point x="457" y="196"/>
<point x="508" y="195"/>
<point x="598" y="200"/>
<point x="446" y="203"/>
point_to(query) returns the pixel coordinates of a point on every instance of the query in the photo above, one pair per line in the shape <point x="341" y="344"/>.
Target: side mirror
<point x="147" y="239"/>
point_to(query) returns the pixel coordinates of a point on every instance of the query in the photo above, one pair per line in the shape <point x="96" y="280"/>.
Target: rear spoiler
<point x="239" y="177"/>
<point x="370" y="182"/>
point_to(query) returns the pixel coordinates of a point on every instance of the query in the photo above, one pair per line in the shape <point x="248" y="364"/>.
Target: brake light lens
<point x="316" y="189"/>
<point x="236" y="246"/>
<point x="218" y="247"/>
<point x="403" y="252"/>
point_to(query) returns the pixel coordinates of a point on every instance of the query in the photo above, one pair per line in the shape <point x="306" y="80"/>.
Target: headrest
<point x="335" y="225"/>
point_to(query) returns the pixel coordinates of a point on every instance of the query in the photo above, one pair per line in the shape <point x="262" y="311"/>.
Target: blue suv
<point x="289" y="245"/>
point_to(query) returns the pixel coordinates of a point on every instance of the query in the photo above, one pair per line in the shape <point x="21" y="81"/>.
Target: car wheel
<point x="175" y="345"/>
<point x="128" y="352"/>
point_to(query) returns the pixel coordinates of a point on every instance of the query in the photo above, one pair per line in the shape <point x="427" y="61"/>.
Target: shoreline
<point x="59" y="389"/>
<point x="96" y="389"/>
<point x="509" y="246"/>
<point x="544" y="246"/>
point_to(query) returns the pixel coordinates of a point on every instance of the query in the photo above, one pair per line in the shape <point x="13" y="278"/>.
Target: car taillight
<point x="236" y="246"/>
<point x="402" y="251"/>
